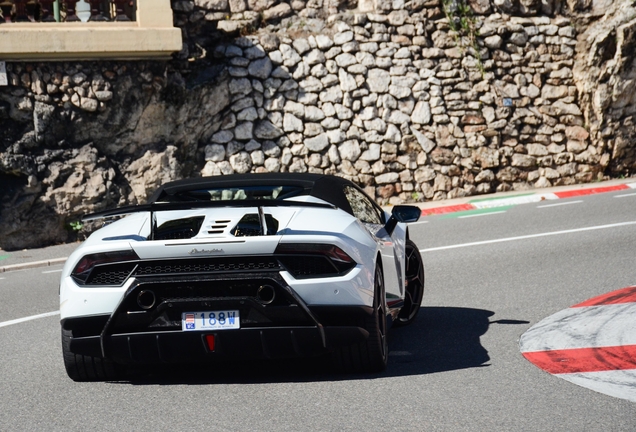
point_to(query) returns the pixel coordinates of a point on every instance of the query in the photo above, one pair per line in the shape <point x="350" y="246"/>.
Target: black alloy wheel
<point x="377" y="328"/>
<point x="371" y="355"/>
<point x="414" y="285"/>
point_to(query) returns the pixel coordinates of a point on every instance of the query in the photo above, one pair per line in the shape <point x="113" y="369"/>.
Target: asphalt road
<point x="489" y="278"/>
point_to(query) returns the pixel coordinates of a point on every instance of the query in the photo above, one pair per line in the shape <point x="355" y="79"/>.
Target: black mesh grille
<point x="300" y="266"/>
<point x="214" y="265"/>
<point x="110" y="274"/>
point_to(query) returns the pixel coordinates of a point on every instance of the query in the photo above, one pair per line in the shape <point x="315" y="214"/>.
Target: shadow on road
<point x="441" y="339"/>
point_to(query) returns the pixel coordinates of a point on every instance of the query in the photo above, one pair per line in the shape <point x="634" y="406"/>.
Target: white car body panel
<point x="80" y="301"/>
<point x="299" y="225"/>
<point x="274" y="265"/>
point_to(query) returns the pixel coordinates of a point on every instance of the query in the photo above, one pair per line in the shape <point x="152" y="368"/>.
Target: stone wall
<point x="414" y="100"/>
<point x="391" y="101"/>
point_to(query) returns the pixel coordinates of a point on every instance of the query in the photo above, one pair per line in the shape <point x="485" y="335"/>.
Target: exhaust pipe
<point x="266" y="294"/>
<point x="146" y="299"/>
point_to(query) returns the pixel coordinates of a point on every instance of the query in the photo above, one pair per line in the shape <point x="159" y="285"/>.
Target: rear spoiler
<point x="155" y="207"/>
<point x="190" y="205"/>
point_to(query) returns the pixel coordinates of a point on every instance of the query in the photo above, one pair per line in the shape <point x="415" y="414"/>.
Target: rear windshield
<point x="236" y="193"/>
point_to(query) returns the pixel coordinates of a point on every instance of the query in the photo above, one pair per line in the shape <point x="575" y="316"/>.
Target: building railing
<point x="67" y="10"/>
<point x="87" y="30"/>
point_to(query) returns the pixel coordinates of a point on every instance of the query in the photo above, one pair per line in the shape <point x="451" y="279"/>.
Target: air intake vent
<point x="250" y="226"/>
<point x="218" y="226"/>
<point x="179" y="228"/>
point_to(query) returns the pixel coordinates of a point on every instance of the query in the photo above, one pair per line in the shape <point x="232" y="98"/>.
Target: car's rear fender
<point x="80" y="301"/>
<point x="351" y="289"/>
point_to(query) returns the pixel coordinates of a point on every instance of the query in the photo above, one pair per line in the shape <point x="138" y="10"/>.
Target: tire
<point x="86" y="368"/>
<point x="372" y="354"/>
<point x="414" y="285"/>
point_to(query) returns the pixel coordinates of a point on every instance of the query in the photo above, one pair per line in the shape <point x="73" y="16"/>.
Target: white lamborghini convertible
<point x="241" y="266"/>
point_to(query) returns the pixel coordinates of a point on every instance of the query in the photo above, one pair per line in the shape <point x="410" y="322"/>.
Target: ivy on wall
<point x="463" y="25"/>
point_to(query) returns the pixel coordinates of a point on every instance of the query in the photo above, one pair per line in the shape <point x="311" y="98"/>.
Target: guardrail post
<point x="96" y="11"/>
<point x="6" y="6"/>
<point x="71" y="14"/>
<point x="20" y="11"/>
<point x="45" y="11"/>
<point x="120" y="13"/>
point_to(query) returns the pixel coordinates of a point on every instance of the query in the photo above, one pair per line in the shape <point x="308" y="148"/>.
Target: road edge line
<point x="29" y="318"/>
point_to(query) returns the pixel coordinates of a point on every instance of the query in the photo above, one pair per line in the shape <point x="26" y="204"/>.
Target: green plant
<point x="463" y="25"/>
<point x="76" y="225"/>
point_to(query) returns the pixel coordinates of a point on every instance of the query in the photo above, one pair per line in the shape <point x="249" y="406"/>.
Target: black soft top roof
<point x="325" y="187"/>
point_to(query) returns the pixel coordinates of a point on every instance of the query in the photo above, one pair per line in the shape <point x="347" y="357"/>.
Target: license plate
<point x="210" y="320"/>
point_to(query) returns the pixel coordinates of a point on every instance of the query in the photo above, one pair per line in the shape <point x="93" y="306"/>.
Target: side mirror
<point x="404" y="214"/>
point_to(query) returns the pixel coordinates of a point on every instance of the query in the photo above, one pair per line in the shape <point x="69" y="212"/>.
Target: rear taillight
<point x="333" y="252"/>
<point x="85" y="266"/>
<point x="314" y="260"/>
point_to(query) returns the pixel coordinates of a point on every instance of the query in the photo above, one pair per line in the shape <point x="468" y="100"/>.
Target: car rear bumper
<point x="281" y="325"/>
<point x="90" y="339"/>
<point x="252" y="343"/>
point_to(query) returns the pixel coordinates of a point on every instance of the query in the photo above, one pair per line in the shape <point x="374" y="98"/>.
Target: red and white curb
<point x="525" y="199"/>
<point x="591" y="344"/>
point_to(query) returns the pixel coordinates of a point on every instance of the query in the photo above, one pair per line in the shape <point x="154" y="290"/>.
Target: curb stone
<point x="589" y="344"/>
<point x="524" y="198"/>
<point x="33" y="264"/>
